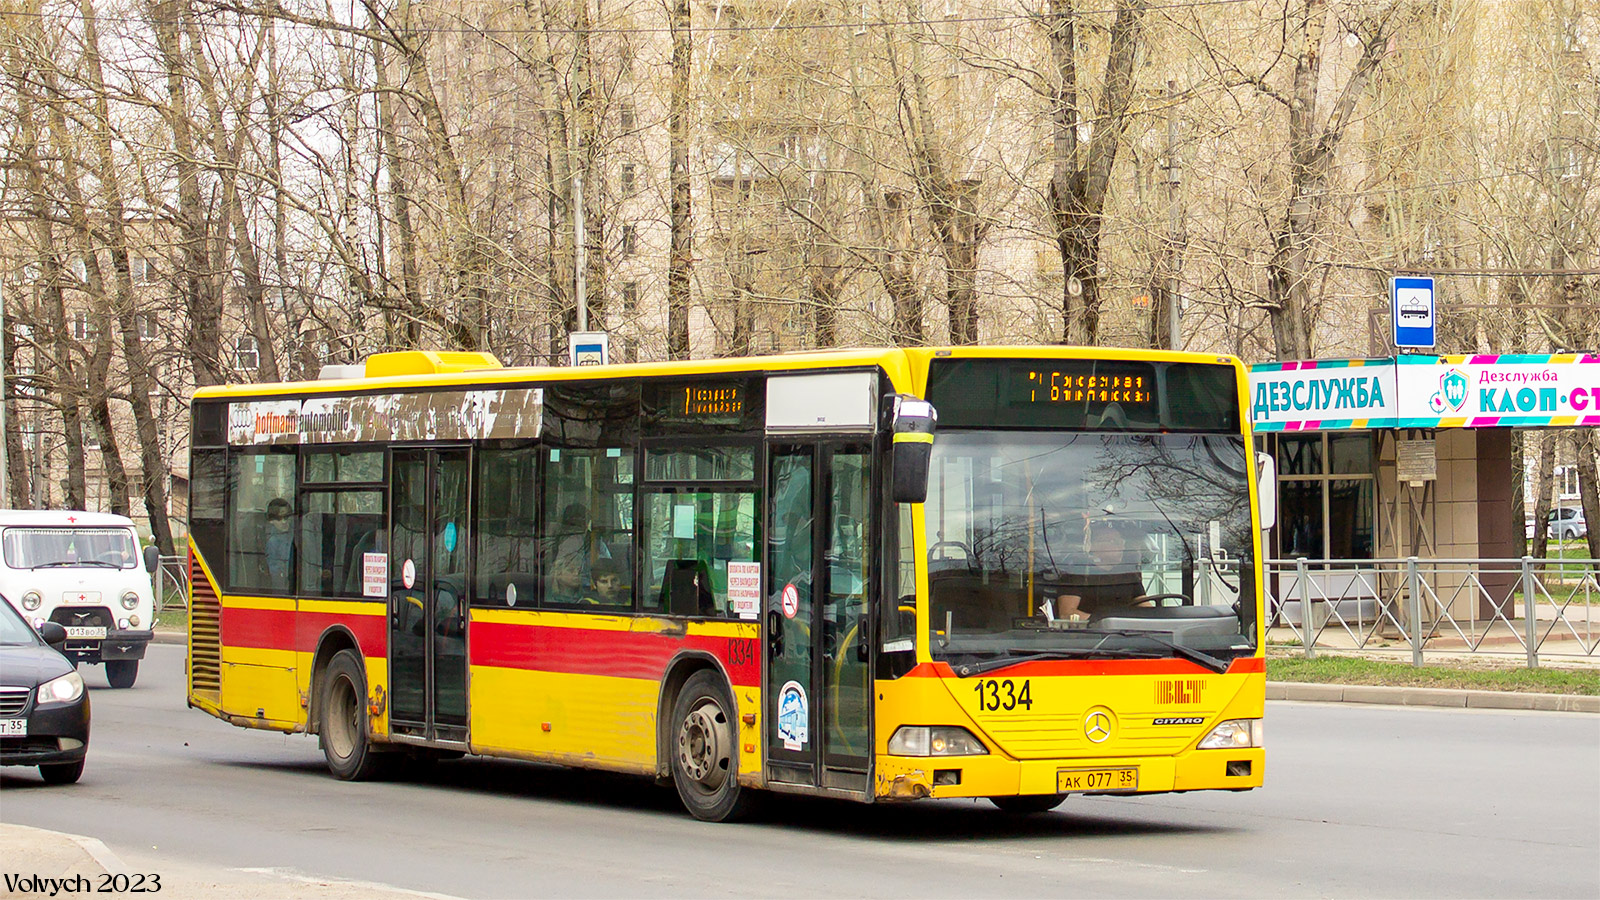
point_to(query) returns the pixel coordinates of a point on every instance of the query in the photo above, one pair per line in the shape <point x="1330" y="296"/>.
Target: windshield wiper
<point x="77" y="562"/>
<point x="1196" y="656"/>
<point x="1010" y="659"/>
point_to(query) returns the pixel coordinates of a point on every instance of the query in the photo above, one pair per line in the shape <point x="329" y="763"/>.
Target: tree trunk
<point x="1079" y="187"/>
<point x="18" y="481"/>
<point x="681" y="263"/>
<point x="152" y="464"/>
<point x="1543" y="477"/>
<point x="1586" y="446"/>
<point x="400" y="192"/>
<point x="203" y="303"/>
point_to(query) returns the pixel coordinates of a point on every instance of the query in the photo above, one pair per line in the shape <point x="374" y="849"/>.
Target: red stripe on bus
<point x="623" y="654"/>
<point x="287" y="629"/>
<point x="1082" y="667"/>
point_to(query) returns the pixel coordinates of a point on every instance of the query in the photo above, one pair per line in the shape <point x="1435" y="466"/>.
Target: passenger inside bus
<point x="609" y="587"/>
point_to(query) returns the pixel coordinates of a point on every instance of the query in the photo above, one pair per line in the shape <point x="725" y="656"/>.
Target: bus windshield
<point x="37" y="548"/>
<point x="1093" y="545"/>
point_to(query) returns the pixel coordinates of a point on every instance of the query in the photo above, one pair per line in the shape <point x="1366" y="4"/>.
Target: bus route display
<point x="1089" y="394"/>
<point x="1055" y="385"/>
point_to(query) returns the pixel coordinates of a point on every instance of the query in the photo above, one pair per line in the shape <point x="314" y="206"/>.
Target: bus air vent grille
<point x="205" y="634"/>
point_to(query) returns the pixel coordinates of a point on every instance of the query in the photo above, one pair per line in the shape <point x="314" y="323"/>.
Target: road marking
<point x="302" y="878"/>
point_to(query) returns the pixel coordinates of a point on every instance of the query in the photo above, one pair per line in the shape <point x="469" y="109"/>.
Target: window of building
<point x="81" y="329"/>
<point x="630" y="240"/>
<point x="261" y="520"/>
<point x="627" y="115"/>
<point x="149" y="325"/>
<point x="1327" y="496"/>
<point x="629" y="176"/>
<point x="246" y="354"/>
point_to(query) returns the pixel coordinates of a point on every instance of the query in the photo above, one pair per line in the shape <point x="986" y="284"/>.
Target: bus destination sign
<point x="1057" y="386"/>
<point x="712" y="401"/>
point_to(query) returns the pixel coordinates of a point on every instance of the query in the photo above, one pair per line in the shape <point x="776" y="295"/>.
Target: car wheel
<point x="1028" y="804"/>
<point x="704" y="748"/>
<point x="122" y="673"/>
<point x="62" y="773"/>
<point x="342" y="732"/>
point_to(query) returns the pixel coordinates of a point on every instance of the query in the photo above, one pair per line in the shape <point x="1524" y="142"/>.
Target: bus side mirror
<point x="914" y="423"/>
<point x="1267" y="489"/>
<point x="152" y="558"/>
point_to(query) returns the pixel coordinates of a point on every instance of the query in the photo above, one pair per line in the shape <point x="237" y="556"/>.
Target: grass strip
<point x="1479" y="677"/>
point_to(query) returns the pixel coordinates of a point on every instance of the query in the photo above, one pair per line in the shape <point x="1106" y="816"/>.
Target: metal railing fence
<point x="172" y="583"/>
<point x="1524" y="607"/>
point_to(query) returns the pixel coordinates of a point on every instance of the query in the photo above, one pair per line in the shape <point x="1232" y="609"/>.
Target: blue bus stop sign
<point x="1412" y="310"/>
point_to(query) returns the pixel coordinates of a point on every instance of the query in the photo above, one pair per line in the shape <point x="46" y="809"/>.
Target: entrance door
<point x="428" y="558"/>
<point x="819" y="684"/>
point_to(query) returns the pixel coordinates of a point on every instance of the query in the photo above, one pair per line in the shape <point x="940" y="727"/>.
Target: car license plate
<point x="86" y="631"/>
<point x="13" y="727"/>
<point x="1075" y="780"/>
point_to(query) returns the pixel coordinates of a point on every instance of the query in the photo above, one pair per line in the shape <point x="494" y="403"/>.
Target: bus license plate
<point x="13" y="727"/>
<point x="86" y="631"/>
<point x="1075" y="780"/>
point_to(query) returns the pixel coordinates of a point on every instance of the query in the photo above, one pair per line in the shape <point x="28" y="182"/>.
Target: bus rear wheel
<point x="704" y="748"/>
<point x="122" y="673"/>
<point x="1028" y="804"/>
<point x="346" y="743"/>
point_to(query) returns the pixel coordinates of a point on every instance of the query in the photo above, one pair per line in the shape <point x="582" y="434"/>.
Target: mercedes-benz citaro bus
<point x="1014" y="573"/>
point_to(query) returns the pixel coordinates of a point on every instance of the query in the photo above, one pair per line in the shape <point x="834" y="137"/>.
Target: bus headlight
<point x="938" y="740"/>
<point x="1233" y="735"/>
<point x="31" y="600"/>
<point x="66" y="689"/>
<point x="130" y="600"/>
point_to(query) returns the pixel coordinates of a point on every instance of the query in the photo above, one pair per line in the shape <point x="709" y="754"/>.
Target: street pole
<point x="1174" y="220"/>
<point x="580" y="252"/>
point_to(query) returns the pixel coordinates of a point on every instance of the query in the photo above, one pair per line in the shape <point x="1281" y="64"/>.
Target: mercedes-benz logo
<point x="1097" y="727"/>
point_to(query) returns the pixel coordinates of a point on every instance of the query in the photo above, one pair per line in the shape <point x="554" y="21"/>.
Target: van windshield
<point x="35" y="548"/>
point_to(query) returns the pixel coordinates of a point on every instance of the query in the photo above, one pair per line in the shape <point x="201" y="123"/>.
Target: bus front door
<point x="818" y="666"/>
<point x="428" y="558"/>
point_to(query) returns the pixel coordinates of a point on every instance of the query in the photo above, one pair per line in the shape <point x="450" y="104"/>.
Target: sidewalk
<point x="37" y="856"/>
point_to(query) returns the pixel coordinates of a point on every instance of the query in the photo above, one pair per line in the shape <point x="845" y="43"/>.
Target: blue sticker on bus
<point x="793" y="716"/>
<point x="450" y="538"/>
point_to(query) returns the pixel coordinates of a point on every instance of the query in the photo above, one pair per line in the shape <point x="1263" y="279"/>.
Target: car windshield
<point x="1089" y="544"/>
<point x="31" y="548"/>
<point x="13" y="630"/>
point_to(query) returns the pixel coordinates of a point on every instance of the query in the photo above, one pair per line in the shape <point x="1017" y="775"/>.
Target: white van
<point x="83" y="571"/>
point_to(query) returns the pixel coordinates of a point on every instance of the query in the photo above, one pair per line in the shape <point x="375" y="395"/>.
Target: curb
<point x="170" y="636"/>
<point x="1441" y="697"/>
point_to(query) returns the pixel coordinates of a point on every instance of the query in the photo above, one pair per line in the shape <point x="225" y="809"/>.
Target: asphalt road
<point x="1359" y="801"/>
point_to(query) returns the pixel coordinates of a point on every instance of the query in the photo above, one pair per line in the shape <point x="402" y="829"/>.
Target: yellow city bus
<point x="1016" y="573"/>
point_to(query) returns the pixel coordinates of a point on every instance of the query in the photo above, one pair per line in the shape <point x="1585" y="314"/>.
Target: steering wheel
<point x="1157" y="598"/>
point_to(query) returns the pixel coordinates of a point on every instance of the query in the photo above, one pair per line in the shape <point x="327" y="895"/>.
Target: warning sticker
<point x="744" y="589"/>
<point x="374" y="574"/>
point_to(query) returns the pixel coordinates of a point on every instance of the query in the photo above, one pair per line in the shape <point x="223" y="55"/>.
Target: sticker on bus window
<point x="744" y="588"/>
<point x="793" y="716"/>
<point x="791" y="600"/>
<point x="408" y="574"/>
<point x="374" y="574"/>
<point x="450" y="537"/>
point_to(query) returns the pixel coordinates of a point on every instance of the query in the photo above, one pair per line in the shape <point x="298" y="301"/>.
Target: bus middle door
<point x="818" y="679"/>
<point x="428" y="594"/>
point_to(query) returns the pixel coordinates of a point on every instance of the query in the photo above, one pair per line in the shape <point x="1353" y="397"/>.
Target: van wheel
<point x="1028" y="804"/>
<point x="62" y="773"/>
<point x="122" y="672"/>
<point x="705" y="750"/>
<point x="346" y="744"/>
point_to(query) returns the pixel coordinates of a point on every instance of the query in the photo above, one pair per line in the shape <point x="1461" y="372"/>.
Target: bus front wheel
<point x="704" y="748"/>
<point x="343" y="734"/>
<point x="1028" y="804"/>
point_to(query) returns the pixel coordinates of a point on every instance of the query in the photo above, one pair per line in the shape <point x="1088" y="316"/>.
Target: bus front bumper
<point x="913" y="778"/>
